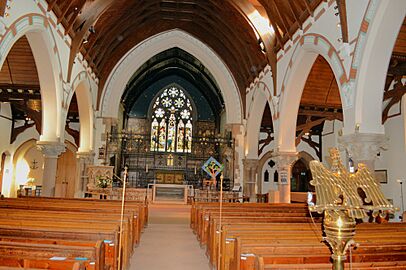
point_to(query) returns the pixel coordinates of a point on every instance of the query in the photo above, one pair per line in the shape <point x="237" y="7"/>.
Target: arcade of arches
<point x="160" y="86"/>
<point x="300" y="89"/>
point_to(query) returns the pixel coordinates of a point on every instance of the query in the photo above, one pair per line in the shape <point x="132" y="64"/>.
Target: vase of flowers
<point x="103" y="181"/>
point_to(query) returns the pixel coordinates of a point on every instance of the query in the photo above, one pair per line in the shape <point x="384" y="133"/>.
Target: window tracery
<point x="171" y="125"/>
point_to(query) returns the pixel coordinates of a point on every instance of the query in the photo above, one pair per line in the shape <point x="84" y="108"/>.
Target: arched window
<point x="171" y="125"/>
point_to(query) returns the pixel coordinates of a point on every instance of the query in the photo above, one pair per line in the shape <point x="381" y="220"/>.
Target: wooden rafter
<point x="74" y="133"/>
<point x="3" y="7"/>
<point x="342" y="10"/>
<point x="308" y="8"/>
<point x="32" y="114"/>
<point x="264" y="142"/>
<point x="65" y="11"/>
<point x="18" y="130"/>
<point x="394" y="96"/>
<point x="282" y="20"/>
<point x="90" y="14"/>
<point x="299" y="23"/>
<point x="313" y="144"/>
<point x="335" y="114"/>
<point x="51" y="4"/>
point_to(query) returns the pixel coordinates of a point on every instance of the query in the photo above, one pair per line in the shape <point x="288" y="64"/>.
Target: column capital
<point x="51" y="149"/>
<point x="250" y="163"/>
<point x="363" y="146"/>
<point x="285" y="160"/>
<point x="89" y="155"/>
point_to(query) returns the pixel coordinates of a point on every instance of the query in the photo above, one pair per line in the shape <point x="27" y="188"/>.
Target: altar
<point x="170" y="193"/>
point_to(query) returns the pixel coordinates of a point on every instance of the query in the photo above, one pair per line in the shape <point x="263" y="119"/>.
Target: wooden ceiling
<point x="121" y="24"/>
<point x="400" y="45"/>
<point x="19" y="67"/>
<point x="321" y="87"/>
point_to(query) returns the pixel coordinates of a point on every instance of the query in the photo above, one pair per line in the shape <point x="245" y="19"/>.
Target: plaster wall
<point x="5" y="125"/>
<point x="394" y="158"/>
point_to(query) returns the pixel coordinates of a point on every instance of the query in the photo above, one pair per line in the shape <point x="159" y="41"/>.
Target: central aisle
<point x="168" y="242"/>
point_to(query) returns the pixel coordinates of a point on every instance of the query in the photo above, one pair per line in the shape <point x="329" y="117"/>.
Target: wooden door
<point x="65" y="175"/>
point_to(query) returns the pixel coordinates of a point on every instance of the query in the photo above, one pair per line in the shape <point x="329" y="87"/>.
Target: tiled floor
<point x="168" y="243"/>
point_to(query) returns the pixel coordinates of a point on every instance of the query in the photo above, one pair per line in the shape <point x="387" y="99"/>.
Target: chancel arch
<point x="141" y="53"/>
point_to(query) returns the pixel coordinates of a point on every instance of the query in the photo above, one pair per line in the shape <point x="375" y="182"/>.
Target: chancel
<point x="136" y="132"/>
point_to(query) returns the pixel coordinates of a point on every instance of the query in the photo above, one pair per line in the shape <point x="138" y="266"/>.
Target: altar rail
<point x="132" y="194"/>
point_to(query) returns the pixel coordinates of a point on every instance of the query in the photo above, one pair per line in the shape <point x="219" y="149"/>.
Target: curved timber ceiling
<point x="223" y="25"/>
<point x="174" y="62"/>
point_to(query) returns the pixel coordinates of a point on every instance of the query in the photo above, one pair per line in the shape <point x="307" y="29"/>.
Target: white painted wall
<point x="5" y="126"/>
<point x="394" y="159"/>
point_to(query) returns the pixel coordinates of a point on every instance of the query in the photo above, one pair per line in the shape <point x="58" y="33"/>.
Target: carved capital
<point x="250" y="164"/>
<point x="86" y="157"/>
<point x="284" y="160"/>
<point x="363" y="146"/>
<point x="51" y="149"/>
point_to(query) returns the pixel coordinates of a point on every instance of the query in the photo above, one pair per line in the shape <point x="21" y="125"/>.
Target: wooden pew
<point x="72" y="220"/>
<point x="320" y="266"/>
<point x="253" y="242"/>
<point x="250" y="237"/>
<point x="51" y="256"/>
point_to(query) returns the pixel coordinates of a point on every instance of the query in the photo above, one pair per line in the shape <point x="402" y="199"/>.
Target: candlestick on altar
<point x="146" y="168"/>
<point x="195" y="169"/>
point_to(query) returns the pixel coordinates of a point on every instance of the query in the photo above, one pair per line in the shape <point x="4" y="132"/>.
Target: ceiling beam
<point x="64" y="11"/>
<point x="308" y="8"/>
<point x="342" y="10"/>
<point x="3" y="7"/>
<point x="245" y="8"/>
<point x="321" y="113"/>
<point x="281" y="19"/>
<point x="90" y="14"/>
<point x="394" y="96"/>
<point x="299" y="23"/>
<point x="51" y="4"/>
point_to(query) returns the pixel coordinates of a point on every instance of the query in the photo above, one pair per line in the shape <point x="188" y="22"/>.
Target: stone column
<point x="51" y="151"/>
<point x="284" y="162"/>
<point x="83" y="160"/>
<point x="250" y="184"/>
<point x="363" y="147"/>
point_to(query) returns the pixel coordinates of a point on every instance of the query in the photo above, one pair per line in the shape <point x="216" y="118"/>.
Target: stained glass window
<point x="171" y="126"/>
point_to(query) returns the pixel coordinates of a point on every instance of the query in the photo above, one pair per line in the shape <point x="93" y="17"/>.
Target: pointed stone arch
<point x="122" y="72"/>
<point x="376" y="38"/>
<point x="301" y="62"/>
<point x="260" y="97"/>
<point x="37" y="30"/>
<point x="82" y="88"/>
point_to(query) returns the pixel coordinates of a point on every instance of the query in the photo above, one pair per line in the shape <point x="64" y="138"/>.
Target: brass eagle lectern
<point x="338" y="195"/>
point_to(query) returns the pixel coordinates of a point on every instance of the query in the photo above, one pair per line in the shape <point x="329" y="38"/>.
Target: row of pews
<point x="285" y="236"/>
<point x="56" y="233"/>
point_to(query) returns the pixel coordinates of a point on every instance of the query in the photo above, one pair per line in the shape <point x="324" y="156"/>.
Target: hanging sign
<point x="212" y="167"/>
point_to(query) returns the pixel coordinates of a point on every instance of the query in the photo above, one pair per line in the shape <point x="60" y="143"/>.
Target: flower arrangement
<point x="103" y="181"/>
